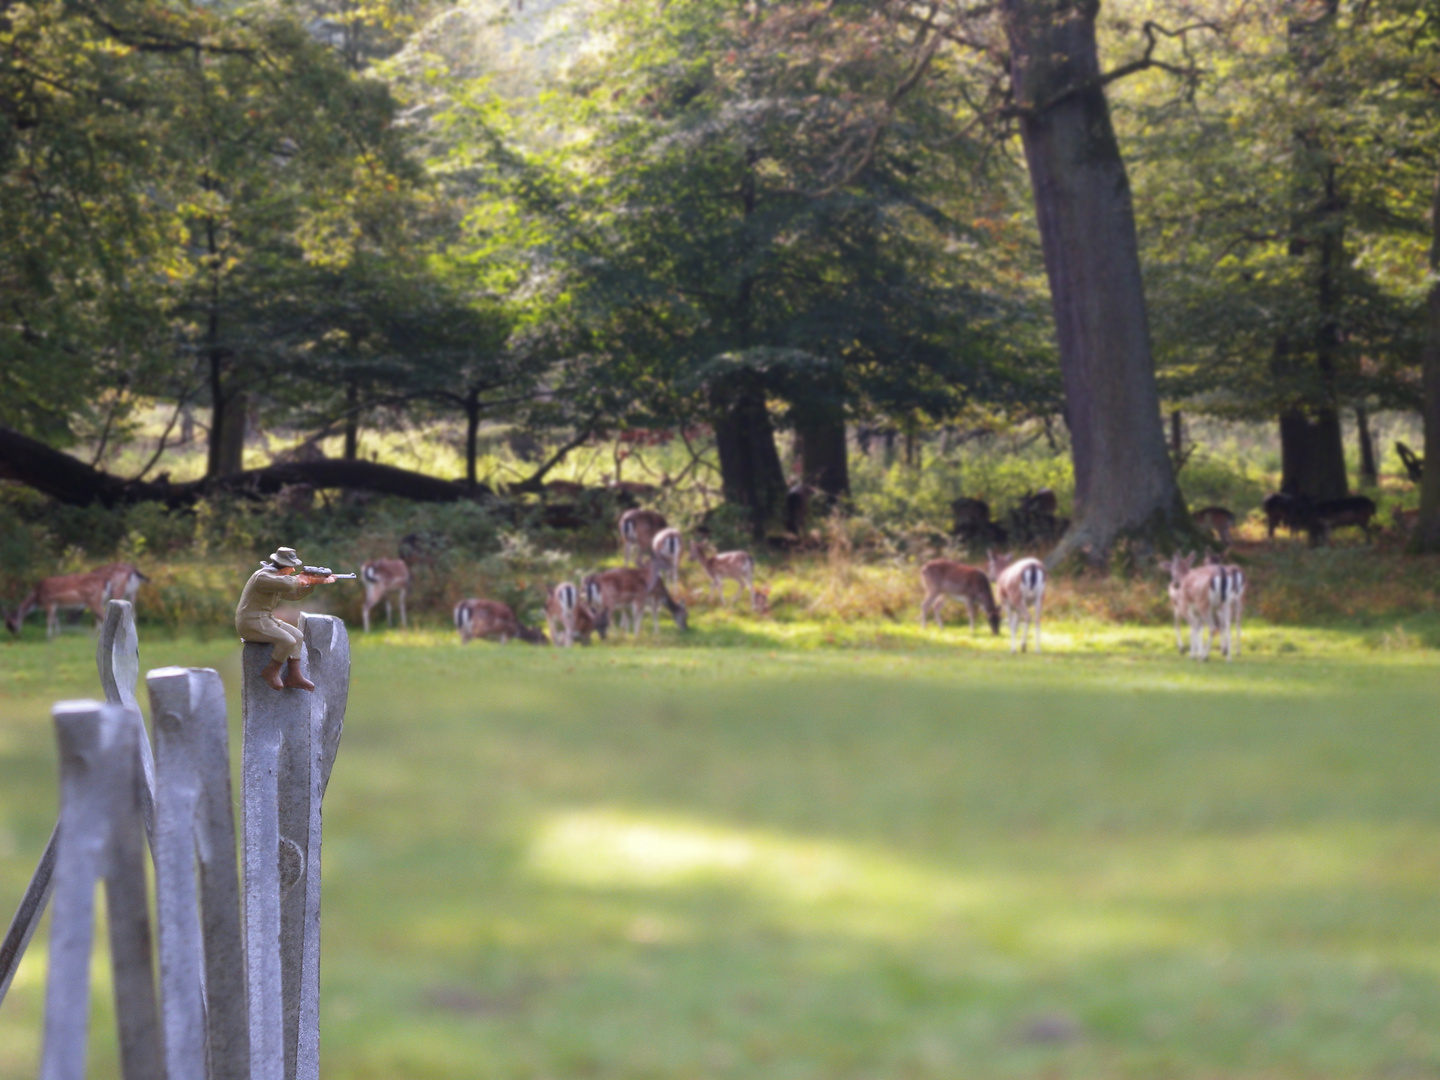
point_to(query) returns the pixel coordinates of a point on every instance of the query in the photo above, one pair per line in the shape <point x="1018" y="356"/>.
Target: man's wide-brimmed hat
<point x="285" y="557"/>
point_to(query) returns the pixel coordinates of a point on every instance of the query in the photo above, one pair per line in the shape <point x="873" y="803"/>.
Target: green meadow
<point x="783" y="851"/>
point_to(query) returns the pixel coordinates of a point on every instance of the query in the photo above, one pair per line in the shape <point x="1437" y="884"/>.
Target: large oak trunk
<point x="1124" y="479"/>
<point x="1427" y="531"/>
<point x="824" y="464"/>
<point x="1312" y="454"/>
<point x="750" y="471"/>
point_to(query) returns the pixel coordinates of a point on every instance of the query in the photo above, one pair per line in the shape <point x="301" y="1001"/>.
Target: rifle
<point x="325" y="571"/>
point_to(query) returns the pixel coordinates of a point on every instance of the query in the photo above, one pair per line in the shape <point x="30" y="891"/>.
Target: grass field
<point x="891" y="857"/>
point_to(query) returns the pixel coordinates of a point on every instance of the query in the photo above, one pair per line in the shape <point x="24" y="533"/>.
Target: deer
<point x="1021" y="585"/>
<point x="738" y="566"/>
<point x="381" y="577"/>
<point x="65" y="591"/>
<point x="493" y="619"/>
<point x="666" y="551"/>
<point x="123" y="580"/>
<point x="560" y="608"/>
<point x="1205" y="592"/>
<point x="612" y="592"/>
<point x="943" y="579"/>
<point x="638" y="529"/>
<point x="1217" y="520"/>
<point x="1236" y="598"/>
<point x="1177" y="567"/>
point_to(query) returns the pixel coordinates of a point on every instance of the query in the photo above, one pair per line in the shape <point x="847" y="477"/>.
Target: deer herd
<point x="1209" y="598"/>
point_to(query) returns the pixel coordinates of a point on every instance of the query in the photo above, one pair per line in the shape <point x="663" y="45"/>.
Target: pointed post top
<point x="118" y="654"/>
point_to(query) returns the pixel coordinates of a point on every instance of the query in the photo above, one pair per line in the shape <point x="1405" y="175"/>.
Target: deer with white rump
<point x="944" y="579"/>
<point x="381" y="577"/>
<point x="1021" y="585"/>
<point x="738" y="566"/>
<point x="1235" y="590"/>
<point x="665" y="549"/>
<point x="1205" y="592"/>
<point x="65" y="591"/>
<point x="560" y="608"/>
<point x="638" y="529"/>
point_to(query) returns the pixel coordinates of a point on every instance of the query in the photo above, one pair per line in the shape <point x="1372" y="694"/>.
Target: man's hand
<point x="316" y="579"/>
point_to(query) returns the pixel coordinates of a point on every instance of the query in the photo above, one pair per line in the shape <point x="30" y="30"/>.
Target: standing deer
<point x="560" y="608"/>
<point x="623" y="595"/>
<point x="666" y="550"/>
<point x="943" y="578"/>
<point x="123" y="580"/>
<point x="381" y="577"/>
<point x="1021" y="585"/>
<point x="1177" y="567"/>
<point x="637" y="533"/>
<point x="738" y="566"/>
<point x="66" y="591"/>
<point x="492" y="619"/>
<point x="1235" y="589"/>
<point x="1205" y="592"/>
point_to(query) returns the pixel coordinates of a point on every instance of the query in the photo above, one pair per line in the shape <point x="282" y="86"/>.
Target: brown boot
<point x="271" y="674"/>
<point x="294" y="680"/>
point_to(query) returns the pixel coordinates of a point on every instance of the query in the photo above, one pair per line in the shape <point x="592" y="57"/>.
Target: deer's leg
<point x="970" y="610"/>
<point x="403" y="624"/>
<point x="1039" y="600"/>
<point x="1013" y="617"/>
<point x="924" y="609"/>
<point x="365" y="606"/>
<point x="52" y="622"/>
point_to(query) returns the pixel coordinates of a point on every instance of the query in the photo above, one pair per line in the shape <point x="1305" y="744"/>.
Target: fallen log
<point x="71" y="481"/>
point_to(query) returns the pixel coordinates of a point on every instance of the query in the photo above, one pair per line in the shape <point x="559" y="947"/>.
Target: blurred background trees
<point x="735" y="221"/>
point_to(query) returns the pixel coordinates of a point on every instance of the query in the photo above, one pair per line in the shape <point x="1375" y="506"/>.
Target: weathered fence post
<point x="101" y="826"/>
<point x="117" y="655"/>
<point x="194" y="822"/>
<point x="290" y="740"/>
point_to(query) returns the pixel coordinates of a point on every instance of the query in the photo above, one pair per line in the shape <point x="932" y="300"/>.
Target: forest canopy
<point x="729" y="220"/>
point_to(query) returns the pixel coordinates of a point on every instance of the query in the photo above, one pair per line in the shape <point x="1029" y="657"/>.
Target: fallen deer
<point x="381" y="577"/>
<point x="738" y="566"/>
<point x="493" y="619"/>
<point x="68" y="591"/>
<point x="1021" y="585"/>
<point x="943" y="579"/>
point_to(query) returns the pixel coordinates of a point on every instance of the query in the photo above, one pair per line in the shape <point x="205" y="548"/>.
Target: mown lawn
<point x="900" y="858"/>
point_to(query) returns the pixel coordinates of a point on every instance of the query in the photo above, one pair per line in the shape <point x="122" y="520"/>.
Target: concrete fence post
<point x="202" y="950"/>
<point x="102" y="831"/>
<point x="290" y="740"/>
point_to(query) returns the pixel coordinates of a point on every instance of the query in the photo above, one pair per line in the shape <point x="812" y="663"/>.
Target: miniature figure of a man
<point x="276" y="580"/>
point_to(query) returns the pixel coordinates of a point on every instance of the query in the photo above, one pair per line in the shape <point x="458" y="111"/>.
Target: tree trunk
<point x="1177" y="436"/>
<point x="472" y="435"/>
<point x="1369" y="470"/>
<point x="1124" y="479"/>
<point x="1312" y="455"/>
<point x="1427" y="529"/>
<point x="750" y="471"/>
<point x="824" y="464"/>
<point x="227" y="434"/>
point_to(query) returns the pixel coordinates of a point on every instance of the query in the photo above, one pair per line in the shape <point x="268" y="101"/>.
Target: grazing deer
<point x="638" y="529"/>
<point x="943" y="578"/>
<point x="492" y="619"/>
<point x="624" y="595"/>
<point x="1217" y="520"/>
<point x="1205" y="592"/>
<point x="1178" y="567"/>
<point x="122" y="580"/>
<point x="666" y="550"/>
<point x="1021" y="585"/>
<point x="381" y="577"/>
<point x="738" y="566"/>
<point x="760" y="602"/>
<point x="560" y="608"/>
<point x="66" y="591"/>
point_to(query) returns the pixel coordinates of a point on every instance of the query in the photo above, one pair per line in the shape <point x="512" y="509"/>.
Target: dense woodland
<point x="727" y="222"/>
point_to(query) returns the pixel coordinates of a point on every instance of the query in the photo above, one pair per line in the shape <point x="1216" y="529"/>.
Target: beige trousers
<point x="266" y="628"/>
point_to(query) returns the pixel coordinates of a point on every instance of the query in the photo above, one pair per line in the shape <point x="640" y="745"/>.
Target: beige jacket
<point x="266" y="588"/>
